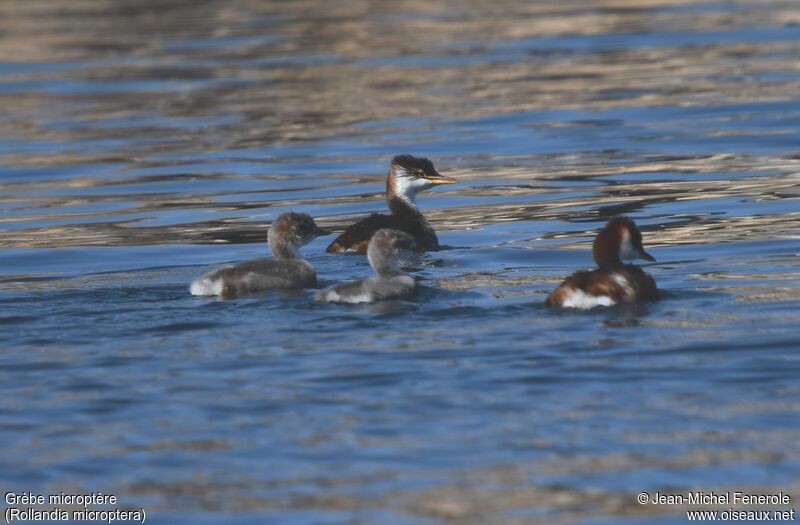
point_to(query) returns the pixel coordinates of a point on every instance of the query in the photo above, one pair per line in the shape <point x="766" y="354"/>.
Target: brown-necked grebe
<point x="613" y="281"/>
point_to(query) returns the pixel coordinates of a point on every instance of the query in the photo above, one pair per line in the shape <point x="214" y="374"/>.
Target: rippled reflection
<point x="142" y="142"/>
<point x="177" y="124"/>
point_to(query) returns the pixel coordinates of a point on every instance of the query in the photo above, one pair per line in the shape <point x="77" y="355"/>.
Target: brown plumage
<point x="613" y="281"/>
<point x="407" y="176"/>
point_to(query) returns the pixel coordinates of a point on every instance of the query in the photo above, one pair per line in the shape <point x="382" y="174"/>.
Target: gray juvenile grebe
<point x="613" y="281"/>
<point x="407" y="176"/>
<point x="386" y="249"/>
<point x="286" y="269"/>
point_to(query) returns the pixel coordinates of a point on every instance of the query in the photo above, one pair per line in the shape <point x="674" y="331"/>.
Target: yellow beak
<point x="441" y="179"/>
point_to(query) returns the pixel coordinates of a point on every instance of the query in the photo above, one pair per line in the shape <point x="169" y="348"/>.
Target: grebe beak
<point x="319" y="232"/>
<point x="646" y="256"/>
<point x="440" y="179"/>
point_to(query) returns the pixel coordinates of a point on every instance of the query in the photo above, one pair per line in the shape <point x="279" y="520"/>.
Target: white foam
<point x="580" y="299"/>
<point x="206" y="286"/>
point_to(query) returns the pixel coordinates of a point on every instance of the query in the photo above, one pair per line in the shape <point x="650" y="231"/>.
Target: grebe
<point x="386" y="249"/>
<point x="613" y="281"/>
<point x="407" y="176"/>
<point x="286" y="269"/>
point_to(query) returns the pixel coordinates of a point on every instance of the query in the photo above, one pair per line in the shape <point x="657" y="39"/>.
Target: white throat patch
<point x="626" y="250"/>
<point x="407" y="186"/>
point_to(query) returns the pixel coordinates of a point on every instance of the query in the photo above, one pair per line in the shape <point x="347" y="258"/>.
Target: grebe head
<point x="620" y="239"/>
<point x="290" y="231"/>
<point x="387" y="248"/>
<point x="410" y="175"/>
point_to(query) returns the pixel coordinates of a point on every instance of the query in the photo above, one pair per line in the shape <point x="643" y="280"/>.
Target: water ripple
<point x="143" y="144"/>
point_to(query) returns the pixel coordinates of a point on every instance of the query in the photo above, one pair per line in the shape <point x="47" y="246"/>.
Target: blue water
<point x="139" y="154"/>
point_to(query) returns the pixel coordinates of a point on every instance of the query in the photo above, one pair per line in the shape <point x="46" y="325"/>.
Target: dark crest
<point x="412" y="164"/>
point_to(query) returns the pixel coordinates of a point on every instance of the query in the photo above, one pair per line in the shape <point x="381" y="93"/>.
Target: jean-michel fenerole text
<point x="720" y="498"/>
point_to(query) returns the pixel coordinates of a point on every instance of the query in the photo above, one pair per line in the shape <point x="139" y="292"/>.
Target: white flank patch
<point x="353" y="299"/>
<point x="206" y="286"/>
<point x="622" y="281"/>
<point x="360" y="298"/>
<point x="332" y="296"/>
<point x="580" y="299"/>
<point x="329" y="296"/>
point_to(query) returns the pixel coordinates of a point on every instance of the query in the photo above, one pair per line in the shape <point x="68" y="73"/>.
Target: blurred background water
<point x="143" y="142"/>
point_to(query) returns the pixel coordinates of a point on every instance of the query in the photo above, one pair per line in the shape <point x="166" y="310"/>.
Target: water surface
<point x="143" y="144"/>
